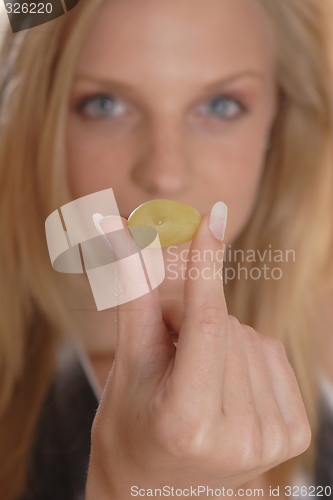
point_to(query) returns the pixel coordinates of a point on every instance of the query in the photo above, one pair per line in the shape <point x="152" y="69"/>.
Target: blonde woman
<point x="230" y="102"/>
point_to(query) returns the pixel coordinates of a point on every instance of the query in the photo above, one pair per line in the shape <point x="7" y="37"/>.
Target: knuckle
<point x="300" y="438"/>
<point x="183" y="435"/>
<point x="251" y="453"/>
<point x="304" y="437"/>
<point x="209" y="320"/>
<point x="278" y="445"/>
<point x="275" y="347"/>
<point x="250" y="446"/>
<point x="250" y="335"/>
<point x="191" y="441"/>
<point x="234" y="324"/>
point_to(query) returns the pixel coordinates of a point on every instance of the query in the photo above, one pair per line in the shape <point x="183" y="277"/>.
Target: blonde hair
<point x="36" y="76"/>
<point x="293" y="210"/>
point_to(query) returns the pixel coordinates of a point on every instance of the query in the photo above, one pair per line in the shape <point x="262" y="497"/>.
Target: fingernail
<point x="218" y="220"/>
<point x="97" y="218"/>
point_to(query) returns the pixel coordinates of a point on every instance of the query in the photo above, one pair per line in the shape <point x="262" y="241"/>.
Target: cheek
<point x="236" y="167"/>
<point x="244" y="179"/>
<point x="94" y="163"/>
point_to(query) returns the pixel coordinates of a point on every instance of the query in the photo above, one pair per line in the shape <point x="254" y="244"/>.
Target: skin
<point x="221" y="409"/>
<point x="163" y="67"/>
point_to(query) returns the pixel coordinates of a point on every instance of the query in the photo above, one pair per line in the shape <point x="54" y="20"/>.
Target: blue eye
<point x="101" y="106"/>
<point x="223" y="107"/>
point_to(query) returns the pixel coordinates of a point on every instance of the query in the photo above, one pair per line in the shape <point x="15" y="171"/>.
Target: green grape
<point x="174" y="222"/>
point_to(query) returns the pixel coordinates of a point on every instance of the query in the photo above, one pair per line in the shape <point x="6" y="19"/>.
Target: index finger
<point x="199" y="364"/>
<point x="139" y="313"/>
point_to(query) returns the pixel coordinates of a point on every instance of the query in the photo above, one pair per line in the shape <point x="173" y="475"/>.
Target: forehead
<point x="177" y="35"/>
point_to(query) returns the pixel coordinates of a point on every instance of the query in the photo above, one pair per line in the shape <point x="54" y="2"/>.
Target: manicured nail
<point x="218" y="220"/>
<point x="97" y="218"/>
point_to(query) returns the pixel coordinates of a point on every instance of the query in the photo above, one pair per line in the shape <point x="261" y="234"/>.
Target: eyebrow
<point x="115" y="84"/>
<point x="251" y="73"/>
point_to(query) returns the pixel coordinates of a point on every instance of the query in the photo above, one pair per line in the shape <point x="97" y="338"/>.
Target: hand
<point x="221" y="409"/>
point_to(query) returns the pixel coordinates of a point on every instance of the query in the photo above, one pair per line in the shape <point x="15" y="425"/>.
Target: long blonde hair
<point x="35" y="80"/>
<point x="293" y="210"/>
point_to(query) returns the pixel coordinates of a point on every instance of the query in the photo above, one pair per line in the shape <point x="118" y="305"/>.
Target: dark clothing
<point x="324" y="463"/>
<point x="61" y="455"/>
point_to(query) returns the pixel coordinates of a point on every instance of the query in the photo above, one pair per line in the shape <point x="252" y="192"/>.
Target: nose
<point x="163" y="168"/>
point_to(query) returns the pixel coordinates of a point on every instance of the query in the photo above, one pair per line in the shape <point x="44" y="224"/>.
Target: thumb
<point x="138" y="272"/>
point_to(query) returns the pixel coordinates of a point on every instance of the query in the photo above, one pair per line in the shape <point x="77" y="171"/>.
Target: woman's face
<point x="174" y="99"/>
